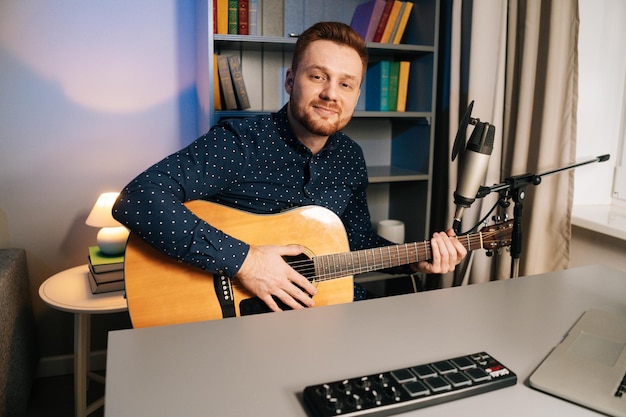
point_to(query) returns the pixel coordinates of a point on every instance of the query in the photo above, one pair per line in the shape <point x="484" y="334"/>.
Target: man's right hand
<point x="265" y="274"/>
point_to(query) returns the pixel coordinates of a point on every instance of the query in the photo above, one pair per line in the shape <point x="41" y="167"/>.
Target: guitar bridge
<point x="224" y="294"/>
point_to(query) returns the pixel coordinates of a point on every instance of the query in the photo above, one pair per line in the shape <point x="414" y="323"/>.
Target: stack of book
<point x="387" y="85"/>
<point x="106" y="273"/>
<point x="235" y="17"/>
<point x="231" y="93"/>
<point x="382" y="21"/>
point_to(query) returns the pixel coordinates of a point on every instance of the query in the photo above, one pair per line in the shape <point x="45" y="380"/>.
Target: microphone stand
<point x="515" y="188"/>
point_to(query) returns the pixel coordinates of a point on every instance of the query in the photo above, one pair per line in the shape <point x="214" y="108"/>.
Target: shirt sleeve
<point x="152" y="204"/>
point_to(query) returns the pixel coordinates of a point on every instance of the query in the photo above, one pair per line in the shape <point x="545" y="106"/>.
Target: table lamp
<point x="112" y="235"/>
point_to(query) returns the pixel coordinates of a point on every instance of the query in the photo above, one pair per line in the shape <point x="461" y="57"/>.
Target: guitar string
<point x="308" y="267"/>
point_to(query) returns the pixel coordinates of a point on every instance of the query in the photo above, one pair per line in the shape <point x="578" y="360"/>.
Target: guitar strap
<point x="225" y="296"/>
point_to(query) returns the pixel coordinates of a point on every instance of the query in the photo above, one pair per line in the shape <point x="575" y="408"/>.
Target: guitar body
<point x="161" y="291"/>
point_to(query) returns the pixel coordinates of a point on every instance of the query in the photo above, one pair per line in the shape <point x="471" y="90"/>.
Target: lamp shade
<point x="100" y="215"/>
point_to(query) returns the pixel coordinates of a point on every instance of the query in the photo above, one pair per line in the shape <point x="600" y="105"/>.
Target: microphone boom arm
<point x="515" y="188"/>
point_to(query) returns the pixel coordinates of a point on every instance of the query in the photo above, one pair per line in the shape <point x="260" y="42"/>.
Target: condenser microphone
<point x="474" y="163"/>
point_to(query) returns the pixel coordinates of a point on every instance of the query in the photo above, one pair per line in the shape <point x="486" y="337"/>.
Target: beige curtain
<point x="523" y="68"/>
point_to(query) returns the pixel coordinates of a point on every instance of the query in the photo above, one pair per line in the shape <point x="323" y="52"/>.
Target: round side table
<point x="69" y="291"/>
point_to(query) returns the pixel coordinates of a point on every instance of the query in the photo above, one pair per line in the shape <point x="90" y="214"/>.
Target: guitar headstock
<point x="497" y="235"/>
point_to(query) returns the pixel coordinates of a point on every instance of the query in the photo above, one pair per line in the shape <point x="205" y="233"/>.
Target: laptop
<point x="588" y="367"/>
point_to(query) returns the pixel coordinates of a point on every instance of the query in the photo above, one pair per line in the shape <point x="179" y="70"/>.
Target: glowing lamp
<point x="112" y="235"/>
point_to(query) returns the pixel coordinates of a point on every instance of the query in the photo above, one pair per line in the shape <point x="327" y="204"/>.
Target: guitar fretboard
<point x="339" y="265"/>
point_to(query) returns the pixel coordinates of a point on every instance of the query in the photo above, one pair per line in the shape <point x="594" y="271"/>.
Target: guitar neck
<point x="350" y="263"/>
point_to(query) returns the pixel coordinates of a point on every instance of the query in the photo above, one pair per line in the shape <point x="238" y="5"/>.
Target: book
<point x="377" y="95"/>
<point x="242" y="17"/>
<point x="377" y="12"/>
<point x="382" y="23"/>
<point x="360" y="105"/>
<point x="253" y="17"/>
<point x="404" y="19"/>
<point x="233" y="17"/>
<point x="214" y="18"/>
<point x="102" y="277"/>
<point x="403" y="85"/>
<point x="101" y="262"/>
<point x="398" y="19"/>
<point x="97" y="288"/>
<point x="272" y="16"/>
<point x="222" y="16"/>
<point x="217" y="96"/>
<point x="362" y="16"/>
<point x="391" y="21"/>
<point x="241" y="94"/>
<point x="394" y="74"/>
<point x="228" y="91"/>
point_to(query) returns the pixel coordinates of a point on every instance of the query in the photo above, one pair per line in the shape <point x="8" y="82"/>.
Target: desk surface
<point x="258" y="365"/>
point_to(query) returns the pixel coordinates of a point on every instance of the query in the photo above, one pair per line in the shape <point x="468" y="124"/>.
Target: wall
<point x="92" y="92"/>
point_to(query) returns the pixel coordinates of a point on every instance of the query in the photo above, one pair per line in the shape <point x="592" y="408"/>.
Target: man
<point x="269" y="163"/>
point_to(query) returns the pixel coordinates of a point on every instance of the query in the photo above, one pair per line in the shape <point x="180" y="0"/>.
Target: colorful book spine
<point x="396" y="23"/>
<point x="394" y="14"/>
<point x="379" y="7"/>
<point x="253" y="17"/>
<point x="233" y="17"/>
<point x="242" y="17"/>
<point x="403" y="85"/>
<point x="377" y="95"/>
<point x="394" y="74"/>
<point x="362" y="16"/>
<point x="382" y="23"/>
<point x="217" y="96"/>
<point x="241" y="94"/>
<point x="222" y="16"/>
<point x="228" y="91"/>
<point x="404" y="19"/>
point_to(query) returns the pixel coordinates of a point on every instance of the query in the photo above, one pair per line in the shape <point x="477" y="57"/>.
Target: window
<point x="601" y="102"/>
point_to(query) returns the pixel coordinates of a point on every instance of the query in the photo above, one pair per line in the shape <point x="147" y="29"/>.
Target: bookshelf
<point x="398" y="146"/>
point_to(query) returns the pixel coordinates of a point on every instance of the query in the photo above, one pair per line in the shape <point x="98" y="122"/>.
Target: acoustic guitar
<point x="161" y="290"/>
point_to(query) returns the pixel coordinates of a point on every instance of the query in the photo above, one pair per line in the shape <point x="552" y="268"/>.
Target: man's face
<point x="325" y="87"/>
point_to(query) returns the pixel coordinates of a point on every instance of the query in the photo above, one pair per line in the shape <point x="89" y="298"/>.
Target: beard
<point x="317" y="125"/>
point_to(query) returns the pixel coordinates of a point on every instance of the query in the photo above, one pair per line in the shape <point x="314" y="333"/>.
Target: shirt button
<point x="306" y="192"/>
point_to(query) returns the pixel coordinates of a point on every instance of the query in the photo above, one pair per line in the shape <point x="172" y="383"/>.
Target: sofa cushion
<point x="18" y="337"/>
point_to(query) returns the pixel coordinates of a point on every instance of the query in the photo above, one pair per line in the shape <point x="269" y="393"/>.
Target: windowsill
<point x="606" y="219"/>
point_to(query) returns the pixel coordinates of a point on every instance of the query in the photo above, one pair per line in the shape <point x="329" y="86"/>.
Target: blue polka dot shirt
<point x="256" y="164"/>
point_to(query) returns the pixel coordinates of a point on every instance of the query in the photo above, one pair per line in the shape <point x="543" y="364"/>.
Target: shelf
<point x="274" y="43"/>
<point x="424" y="117"/>
<point x="384" y="174"/>
<point x="397" y="146"/>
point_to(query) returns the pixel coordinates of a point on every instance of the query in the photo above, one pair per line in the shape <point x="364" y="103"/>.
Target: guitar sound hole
<point x="301" y="263"/>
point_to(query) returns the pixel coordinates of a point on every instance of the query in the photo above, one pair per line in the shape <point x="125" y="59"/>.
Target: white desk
<point x="69" y="291"/>
<point x="258" y="365"/>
